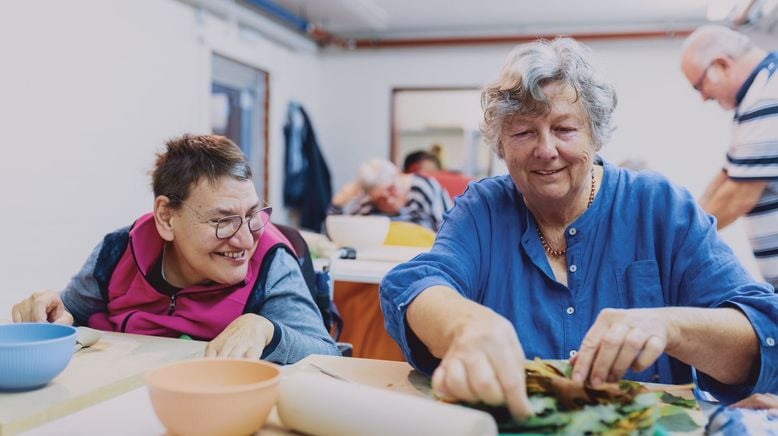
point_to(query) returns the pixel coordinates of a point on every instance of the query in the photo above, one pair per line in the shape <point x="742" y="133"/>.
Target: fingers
<point x="493" y="380"/>
<point x="64" y="318"/>
<point x="587" y="352"/>
<point x="16" y="314"/>
<point x="213" y="348"/>
<point x="452" y="381"/>
<point x="37" y="308"/>
<point x="619" y="340"/>
<point x="241" y="339"/>
<point x="609" y="348"/>
<point x="653" y="348"/>
<point x="634" y="342"/>
<point x="483" y="381"/>
<point x="439" y="384"/>
<point x="758" y="401"/>
<point x="512" y="379"/>
<point x="41" y="305"/>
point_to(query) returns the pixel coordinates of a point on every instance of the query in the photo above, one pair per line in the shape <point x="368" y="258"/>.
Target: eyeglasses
<point x="698" y="84"/>
<point x="228" y="226"/>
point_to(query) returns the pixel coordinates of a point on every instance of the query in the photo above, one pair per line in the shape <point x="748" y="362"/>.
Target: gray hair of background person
<point x="714" y="40"/>
<point x="530" y="67"/>
<point x="376" y="172"/>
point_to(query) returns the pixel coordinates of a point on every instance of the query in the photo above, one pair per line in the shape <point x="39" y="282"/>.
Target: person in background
<point x="422" y="162"/>
<point x="569" y="257"/>
<point x="427" y="164"/>
<point x="725" y="66"/>
<point x="206" y="263"/>
<point x="380" y="189"/>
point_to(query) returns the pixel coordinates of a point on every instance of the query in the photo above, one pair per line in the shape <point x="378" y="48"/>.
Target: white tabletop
<point x="370" y="266"/>
<point x="131" y="413"/>
<point x="112" y="366"/>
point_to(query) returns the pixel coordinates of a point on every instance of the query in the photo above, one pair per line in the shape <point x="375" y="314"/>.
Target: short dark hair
<point x="190" y="158"/>
<point x="419" y="156"/>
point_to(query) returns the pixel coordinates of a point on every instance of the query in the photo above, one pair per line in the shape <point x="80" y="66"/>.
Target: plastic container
<point x="32" y="354"/>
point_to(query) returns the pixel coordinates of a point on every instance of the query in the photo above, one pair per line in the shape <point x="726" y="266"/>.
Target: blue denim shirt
<point x="643" y="243"/>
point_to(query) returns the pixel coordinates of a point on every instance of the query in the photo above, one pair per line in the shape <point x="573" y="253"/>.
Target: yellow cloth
<point x="409" y="235"/>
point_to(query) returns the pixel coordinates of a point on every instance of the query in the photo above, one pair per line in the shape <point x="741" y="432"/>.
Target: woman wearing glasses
<point x="206" y="263"/>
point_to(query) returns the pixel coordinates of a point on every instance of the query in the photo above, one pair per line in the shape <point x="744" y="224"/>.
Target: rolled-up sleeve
<point x="453" y="261"/>
<point x="763" y="315"/>
<point x="298" y="326"/>
<point x="82" y="297"/>
<point x="706" y="273"/>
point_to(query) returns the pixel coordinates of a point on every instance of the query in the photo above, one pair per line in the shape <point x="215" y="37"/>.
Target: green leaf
<point x="678" y="422"/>
<point x="669" y="398"/>
<point x="669" y="409"/>
<point x="542" y="404"/>
<point x="640" y="402"/>
<point x="592" y="419"/>
<point x="551" y="422"/>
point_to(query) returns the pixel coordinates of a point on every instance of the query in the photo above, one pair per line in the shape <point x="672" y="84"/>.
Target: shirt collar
<point x="770" y="62"/>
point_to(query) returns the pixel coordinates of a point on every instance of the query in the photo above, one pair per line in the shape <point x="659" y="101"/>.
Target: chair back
<point x="318" y="282"/>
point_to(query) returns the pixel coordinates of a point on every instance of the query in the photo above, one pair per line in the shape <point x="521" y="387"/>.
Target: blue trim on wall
<point x="279" y="12"/>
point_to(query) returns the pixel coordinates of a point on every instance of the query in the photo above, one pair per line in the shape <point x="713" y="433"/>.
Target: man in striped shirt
<point x="381" y="189"/>
<point x="725" y="66"/>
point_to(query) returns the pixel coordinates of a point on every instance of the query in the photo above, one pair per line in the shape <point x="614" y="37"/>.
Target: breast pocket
<point x="639" y="285"/>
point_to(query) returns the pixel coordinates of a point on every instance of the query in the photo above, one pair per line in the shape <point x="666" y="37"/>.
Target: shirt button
<point x="570" y="310"/>
<point x="573" y="268"/>
<point x="770" y="342"/>
<point x="572" y="231"/>
<point x="573" y="353"/>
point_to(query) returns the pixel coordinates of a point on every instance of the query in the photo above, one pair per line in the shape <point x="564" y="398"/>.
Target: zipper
<point x="123" y="328"/>
<point x="172" y="305"/>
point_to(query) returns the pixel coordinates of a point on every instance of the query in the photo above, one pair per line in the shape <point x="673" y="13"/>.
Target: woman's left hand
<point x="764" y="401"/>
<point x="620" y="340"/>
<point x="245" y="337"/>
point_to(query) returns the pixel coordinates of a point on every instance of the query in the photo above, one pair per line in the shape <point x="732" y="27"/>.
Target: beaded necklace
<point x="546" y="246"/>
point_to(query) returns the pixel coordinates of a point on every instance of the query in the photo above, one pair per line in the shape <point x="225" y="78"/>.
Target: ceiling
<point x="426" y="20"/>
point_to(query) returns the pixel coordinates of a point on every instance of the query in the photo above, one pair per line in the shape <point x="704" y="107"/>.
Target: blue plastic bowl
<point x="32" y="354"/>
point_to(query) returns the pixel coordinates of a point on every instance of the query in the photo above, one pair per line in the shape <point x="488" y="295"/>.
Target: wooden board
<point x="113" y="366"/>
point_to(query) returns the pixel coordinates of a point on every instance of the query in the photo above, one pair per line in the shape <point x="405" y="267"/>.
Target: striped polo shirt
<point x="753" y="155"/>
<point x="425" y="204"/>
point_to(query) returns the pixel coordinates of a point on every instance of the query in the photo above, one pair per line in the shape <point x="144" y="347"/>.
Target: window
<point x="443" y="121"/>
<point x="239" y="111"/>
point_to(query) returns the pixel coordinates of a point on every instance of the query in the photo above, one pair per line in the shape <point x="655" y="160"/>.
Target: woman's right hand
<point x="43" y="306"/>
<point x="484" y="363"/>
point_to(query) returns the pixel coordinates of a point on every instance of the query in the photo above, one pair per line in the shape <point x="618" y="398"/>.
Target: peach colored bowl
<point x="214" y="396"/>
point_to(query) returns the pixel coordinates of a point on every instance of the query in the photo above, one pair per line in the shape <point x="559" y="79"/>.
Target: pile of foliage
<point x="563" y="406"/>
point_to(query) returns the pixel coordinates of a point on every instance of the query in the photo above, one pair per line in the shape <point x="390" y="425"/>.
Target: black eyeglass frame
<point x="228" y="220"/>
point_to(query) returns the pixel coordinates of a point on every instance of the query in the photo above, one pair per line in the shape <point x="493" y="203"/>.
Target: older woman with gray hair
<point x="572" y="257"/>
<point x="380" y="189"/>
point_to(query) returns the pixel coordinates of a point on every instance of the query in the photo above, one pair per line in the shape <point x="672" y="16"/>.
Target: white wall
<point x="660" y="119"/>
<point x="89" y="91"/>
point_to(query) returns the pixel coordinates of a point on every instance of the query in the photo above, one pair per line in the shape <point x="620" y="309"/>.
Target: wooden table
<point x="111" y="367"/>
<point x="131" y="413"/>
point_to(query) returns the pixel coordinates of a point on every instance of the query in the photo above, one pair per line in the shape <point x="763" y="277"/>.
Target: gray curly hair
<point x="530" y="67"/>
